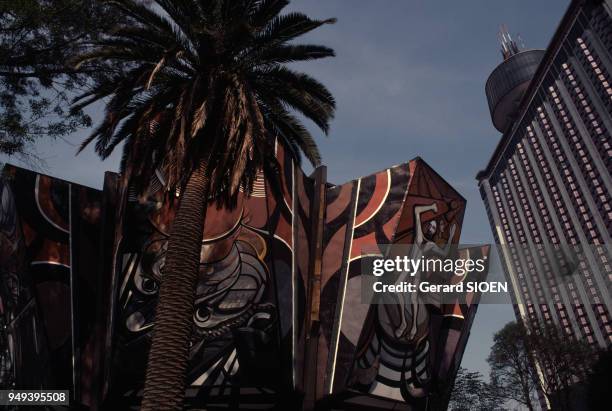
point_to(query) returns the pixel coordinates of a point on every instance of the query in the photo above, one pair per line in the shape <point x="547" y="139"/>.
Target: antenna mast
<point x="508" y="45"/>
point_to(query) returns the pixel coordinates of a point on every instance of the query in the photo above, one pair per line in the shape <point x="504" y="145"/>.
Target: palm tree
<point x="205" y="92"/>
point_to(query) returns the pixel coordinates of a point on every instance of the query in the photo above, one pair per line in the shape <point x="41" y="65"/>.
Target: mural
<point x="403" y="352"/>
<point x="278" y="319"/>
<point x="243" y="325"/>
<point x="17" y="308"/>
<point x="49" y="241"/>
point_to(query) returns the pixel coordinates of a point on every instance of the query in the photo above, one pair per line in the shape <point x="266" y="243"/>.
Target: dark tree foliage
<point x="566" y="363"/>
<point x="36" y="83"/>
<point x="563" y="364"/>
<point x="471" y="393"/>
<point x="600" y="381"/>
<point x="206" y="80"/>
<point x="512" y="376"/>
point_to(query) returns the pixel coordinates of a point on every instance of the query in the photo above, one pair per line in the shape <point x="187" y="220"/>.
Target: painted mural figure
<point x="424" y="245"/>
<point x="400" y="352"/>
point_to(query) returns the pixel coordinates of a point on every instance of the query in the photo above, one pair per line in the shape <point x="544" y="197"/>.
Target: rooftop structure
<point x="507" y="84"/>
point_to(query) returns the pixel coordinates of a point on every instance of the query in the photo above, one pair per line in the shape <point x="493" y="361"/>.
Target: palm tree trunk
<point x="168" y="357"/>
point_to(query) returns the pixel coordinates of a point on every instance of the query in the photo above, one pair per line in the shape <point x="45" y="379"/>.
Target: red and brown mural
<point x="279" y="319"/>
<point x="50" y="282"/>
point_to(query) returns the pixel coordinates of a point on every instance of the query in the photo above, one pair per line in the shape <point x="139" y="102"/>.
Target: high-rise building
<point x="547" y="185"/>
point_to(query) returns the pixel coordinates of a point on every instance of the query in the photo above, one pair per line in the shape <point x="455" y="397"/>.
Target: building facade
<point x="279" y="322"/>
<point x="547" y="186"/>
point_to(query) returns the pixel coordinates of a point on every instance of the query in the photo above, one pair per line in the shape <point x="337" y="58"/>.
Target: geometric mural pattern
<point x="278" y="315"/>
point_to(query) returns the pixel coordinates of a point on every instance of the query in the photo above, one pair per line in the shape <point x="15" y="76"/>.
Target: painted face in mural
<point x="229" y="293"/>
<point x="431" y="230"/>
<point x="438" y="230"/>
<point x="232" y="280"/>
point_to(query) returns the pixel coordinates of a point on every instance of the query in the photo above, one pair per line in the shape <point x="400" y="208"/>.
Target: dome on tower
<point x="507" y="83"/>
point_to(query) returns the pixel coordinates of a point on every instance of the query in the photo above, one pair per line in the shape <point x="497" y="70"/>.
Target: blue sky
<point x="409" y="80"/>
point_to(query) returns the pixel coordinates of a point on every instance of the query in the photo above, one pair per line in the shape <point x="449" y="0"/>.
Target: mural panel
<point x="278" y="314"/>
<point x="50" y="282"/>
<point x="248" y="296"/>
<point x="403" y="353"/>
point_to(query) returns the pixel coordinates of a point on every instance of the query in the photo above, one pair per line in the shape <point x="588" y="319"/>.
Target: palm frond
<point x="264" y="57"/>
<point x="206" y="81"/>
<point x="293" y="132"/>
<point x="299" y="91"/>
<point x="284" y="28"/>
<point x="266" y="10"/>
